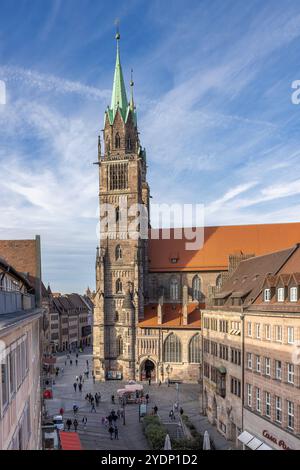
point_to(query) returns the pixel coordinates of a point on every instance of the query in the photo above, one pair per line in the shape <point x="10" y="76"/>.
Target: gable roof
<point x="219" y="243"/>
<point x="251" y="274"/>
<point x="172" y="316"/>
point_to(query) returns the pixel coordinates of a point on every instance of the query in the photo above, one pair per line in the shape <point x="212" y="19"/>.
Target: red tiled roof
<point x="219" y="243"/>
<point x="172" y="316"/>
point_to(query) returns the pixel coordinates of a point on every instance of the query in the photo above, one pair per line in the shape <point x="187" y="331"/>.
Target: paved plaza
<point x="96" y="436"/>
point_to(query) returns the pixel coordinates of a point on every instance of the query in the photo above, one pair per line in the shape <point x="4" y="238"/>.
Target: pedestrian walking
<point x="75" y="386"/>
<point x="116" y="431"/>
<point x="76" y="362"/>
<point x="93" y="408"/>
<point x="62" y="370"/>
<point x="77" y="378"/>
<point x="111" y="431"/>
<point x="61" y="411"/>
<point x="94" y="379"/>
<point x="155" y="409"/>
<point x="65" y="363"/>
<point x="80" y="377"/>
<point x="69" y="424"/>
<point x="149" y="381"/>
<point x="113" y="399"/>
<point x="147" y="398"/>
<point x="119" y="414"/>
<point x="84" y="422"/>
<point x="75" y="423"/>
<point x="71" y="362"/>
<point x="80" y="387"/>
<point x="171" y="415"/>
<point x="181" y="411"/>
<point x="75" y="409"/>
<point x="106" y="422"/>
<point x="87" y="363"/>
<point x="76" y="355"/>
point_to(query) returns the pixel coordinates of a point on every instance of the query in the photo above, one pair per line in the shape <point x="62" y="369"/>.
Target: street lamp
<point x="124" y="403"/>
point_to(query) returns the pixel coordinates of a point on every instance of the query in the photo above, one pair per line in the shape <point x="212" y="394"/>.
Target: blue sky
<point x="213" y="92"/>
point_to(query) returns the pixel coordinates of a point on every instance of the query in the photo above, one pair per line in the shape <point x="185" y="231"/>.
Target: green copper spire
<point x="119" y="98"/>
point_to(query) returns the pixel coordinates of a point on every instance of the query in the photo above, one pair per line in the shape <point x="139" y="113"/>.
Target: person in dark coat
<point x="75" y="423"/>
<point x="116" y="433"/>
<point x="69" y="424"/>
<point x="111" y="431"/>
<point x="75" y="386"/>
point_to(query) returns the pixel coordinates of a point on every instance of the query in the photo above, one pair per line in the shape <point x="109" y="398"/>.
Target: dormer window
<point x="280" y="294"/>
<point x="267" y="295"/>
<point x="293" y="294"/>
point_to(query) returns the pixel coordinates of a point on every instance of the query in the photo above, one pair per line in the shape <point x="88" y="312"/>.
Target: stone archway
<point x="148" y="370"/>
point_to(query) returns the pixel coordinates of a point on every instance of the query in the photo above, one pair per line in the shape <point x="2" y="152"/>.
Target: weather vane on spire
<point x="117" y="24"/>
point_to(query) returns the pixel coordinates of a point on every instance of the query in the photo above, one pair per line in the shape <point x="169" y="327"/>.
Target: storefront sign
<point x="279" y="443"/>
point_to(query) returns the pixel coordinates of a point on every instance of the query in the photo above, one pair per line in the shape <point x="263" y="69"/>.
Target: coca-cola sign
<point x="280" y="443"/>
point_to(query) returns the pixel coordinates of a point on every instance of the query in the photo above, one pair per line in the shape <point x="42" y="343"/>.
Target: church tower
<point x="122" y="259"/>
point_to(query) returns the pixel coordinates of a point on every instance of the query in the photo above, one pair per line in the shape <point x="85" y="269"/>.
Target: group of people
<point x="75" y="423"/>
<point x="111" y="422"/>
<point x="93" y="400"/>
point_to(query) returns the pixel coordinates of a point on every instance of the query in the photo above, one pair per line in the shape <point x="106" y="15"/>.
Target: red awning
<point x="70" y="441"/>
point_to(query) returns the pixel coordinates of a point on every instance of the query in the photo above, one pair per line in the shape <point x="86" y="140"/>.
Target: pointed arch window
<point x="116" y="316"/>
<point x="174" y="289"/>
<point x="117" y="214"/>
<point x="120" y="346"/>
<point x="118" y="286"/>
<point x="172" y="349"/>
<point x="128" y="143"/>
<point x="196" y="286"/>
<point x="117" y="141"/>
<point x="195" y="349"/>
<point x="118" y="252"/>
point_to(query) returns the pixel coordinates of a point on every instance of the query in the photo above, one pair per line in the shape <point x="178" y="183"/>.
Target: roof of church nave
<point x="219" y="243"/>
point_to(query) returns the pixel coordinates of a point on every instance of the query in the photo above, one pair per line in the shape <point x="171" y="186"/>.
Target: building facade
<point x="70" y="322"/>
<point x="260" y="303"/>
<point x="222" y="371"/>
<point x="20" y="362"/>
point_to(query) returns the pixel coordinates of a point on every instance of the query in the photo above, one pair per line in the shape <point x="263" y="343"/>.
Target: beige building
<point x="20" y="349"/>
<point x="261" y="304"/>
<point x="222" y="371"/>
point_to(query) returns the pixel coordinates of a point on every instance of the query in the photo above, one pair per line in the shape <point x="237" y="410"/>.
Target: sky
<point x="213" y="86"/>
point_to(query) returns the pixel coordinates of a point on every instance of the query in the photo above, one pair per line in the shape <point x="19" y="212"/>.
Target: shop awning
<point x="70" y="441"/>
<point x="252" y="442"/>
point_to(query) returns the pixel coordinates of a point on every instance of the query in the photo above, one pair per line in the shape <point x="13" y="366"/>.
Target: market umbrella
<point x="167" y="445"/>
<point x="206" y="441"/>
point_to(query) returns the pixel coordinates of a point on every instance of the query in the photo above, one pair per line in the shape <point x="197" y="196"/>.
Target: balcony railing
<point x="14" y="301"/>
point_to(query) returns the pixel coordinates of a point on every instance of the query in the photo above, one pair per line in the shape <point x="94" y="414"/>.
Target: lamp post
<point x="124" y="403"/>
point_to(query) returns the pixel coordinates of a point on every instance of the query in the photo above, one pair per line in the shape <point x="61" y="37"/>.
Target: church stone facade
<point x="150" y="292"/>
